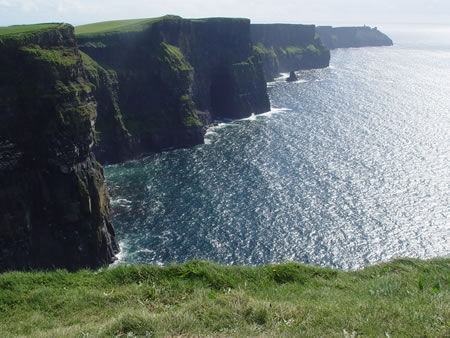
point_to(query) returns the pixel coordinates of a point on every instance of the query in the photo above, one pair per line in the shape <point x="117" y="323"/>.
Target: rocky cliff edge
<point x="54" y="207"/>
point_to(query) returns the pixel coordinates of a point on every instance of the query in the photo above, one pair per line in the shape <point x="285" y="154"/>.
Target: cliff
<point x="54" y="208"/>
<point x="119" y="89"/>
<point x="346" y="37"/>
<point x="288" y="47"/>
<point x="160" y="81"/>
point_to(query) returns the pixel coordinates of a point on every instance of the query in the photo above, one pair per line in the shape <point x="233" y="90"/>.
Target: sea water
<point x="350" y="168"/>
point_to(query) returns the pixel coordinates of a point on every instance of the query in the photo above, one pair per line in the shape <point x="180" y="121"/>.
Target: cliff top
<point x="22" y="33"/>
<point x="136" y="25"/>
<point x="219" y="19"/>
<point x="119" y="26"/>
<point x="353" y="36"/>
<point x="27" y="29"/>
<point x="282" y="25"/>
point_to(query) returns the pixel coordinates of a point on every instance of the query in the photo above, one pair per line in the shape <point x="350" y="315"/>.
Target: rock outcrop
<point x="292" y="77"/>
<point x="346" y="37"/>
<point x="54" y="207"/>
<point x="287" y="47"/>
<point x="159" y="82"/>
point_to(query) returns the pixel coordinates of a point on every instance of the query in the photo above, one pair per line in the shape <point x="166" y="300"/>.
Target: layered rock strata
<point x="54" y="207"/>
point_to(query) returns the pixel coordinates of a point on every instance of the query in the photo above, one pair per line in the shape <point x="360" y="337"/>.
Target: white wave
<point x="283" y="76"/>
<point x="221" y="125"/>
<point x="123" y="202"/>
<point x="266" y="114"/>
<point x="122" y="253"/>
<point x="250" y="118"/>
<point x="276" y="111"/>
<point x="210" y="132"/>
<point x="145" y="251"/>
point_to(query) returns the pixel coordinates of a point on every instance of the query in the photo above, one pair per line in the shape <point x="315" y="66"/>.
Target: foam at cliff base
<point x="122" y="253"/>
<point x="211" y="131"/>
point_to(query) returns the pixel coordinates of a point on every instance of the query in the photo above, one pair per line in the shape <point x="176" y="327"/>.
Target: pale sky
<point x="335" y="12"/>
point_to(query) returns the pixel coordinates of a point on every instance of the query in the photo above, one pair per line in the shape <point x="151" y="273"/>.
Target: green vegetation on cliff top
<point x="23" y="34"/>
<point x="120" y="26"/>
<point x="25" y="29"/>
<point x="261" y="50"/>
<point x="135" y="25"/>
<point x="403" y="298"/>
<point x="64" y="57"/>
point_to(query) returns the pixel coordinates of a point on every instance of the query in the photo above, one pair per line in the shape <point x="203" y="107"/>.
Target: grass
<point x="24" y="34"/>
<point x="25" y="29"/>
<point x="171" y="56"/>
<point x="403" y="298"/>
<point x="61" y="56"/>
<point x="133" y="25"/>
<point x="190" y="118"/>
<point x="261" y="49"/>
<point x="119" y="26"/>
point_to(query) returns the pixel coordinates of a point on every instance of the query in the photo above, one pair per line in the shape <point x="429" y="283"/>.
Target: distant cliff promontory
<point x="288" y="47"/>
<point x="346" y="37"/>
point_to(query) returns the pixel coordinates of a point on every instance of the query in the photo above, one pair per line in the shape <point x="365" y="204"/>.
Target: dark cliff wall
<point x="288" y="47"/>
<point x="165" y="82"/>
<point x="54" y="208"/>
<point x="345" y="37"/>
<point x="228" y="78"/>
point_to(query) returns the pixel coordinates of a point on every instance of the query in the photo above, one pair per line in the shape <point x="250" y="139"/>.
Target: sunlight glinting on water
<point x="350" y="168"/>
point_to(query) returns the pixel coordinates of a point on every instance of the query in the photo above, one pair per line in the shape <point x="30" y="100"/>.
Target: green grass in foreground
<point x="119" y="26"/>
<point x="403" y="298"/>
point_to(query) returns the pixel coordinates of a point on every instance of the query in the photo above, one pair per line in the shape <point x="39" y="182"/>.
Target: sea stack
<point x="292" y="77"/>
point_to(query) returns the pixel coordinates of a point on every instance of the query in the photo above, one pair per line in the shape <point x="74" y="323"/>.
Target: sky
<point x="333" y="12"/>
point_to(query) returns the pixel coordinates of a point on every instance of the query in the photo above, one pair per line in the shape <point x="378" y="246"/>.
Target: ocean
<point x="350" y="168"/>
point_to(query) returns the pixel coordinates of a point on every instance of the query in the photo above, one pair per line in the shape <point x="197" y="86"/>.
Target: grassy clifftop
<point x="119" y="26"/>
<point x="134" y="25"/>
<point x="405" y="297"/>
<point x="22" y="30"/>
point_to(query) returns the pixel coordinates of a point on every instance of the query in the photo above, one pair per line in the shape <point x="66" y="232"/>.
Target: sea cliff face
<point x="288" y="47"/>
<point x="346" y="37"/>
<point x="54" y="208"/>
<point x="119" y="90"/>
<point x="163" y="80"/>
<point x="128" y="93"/>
